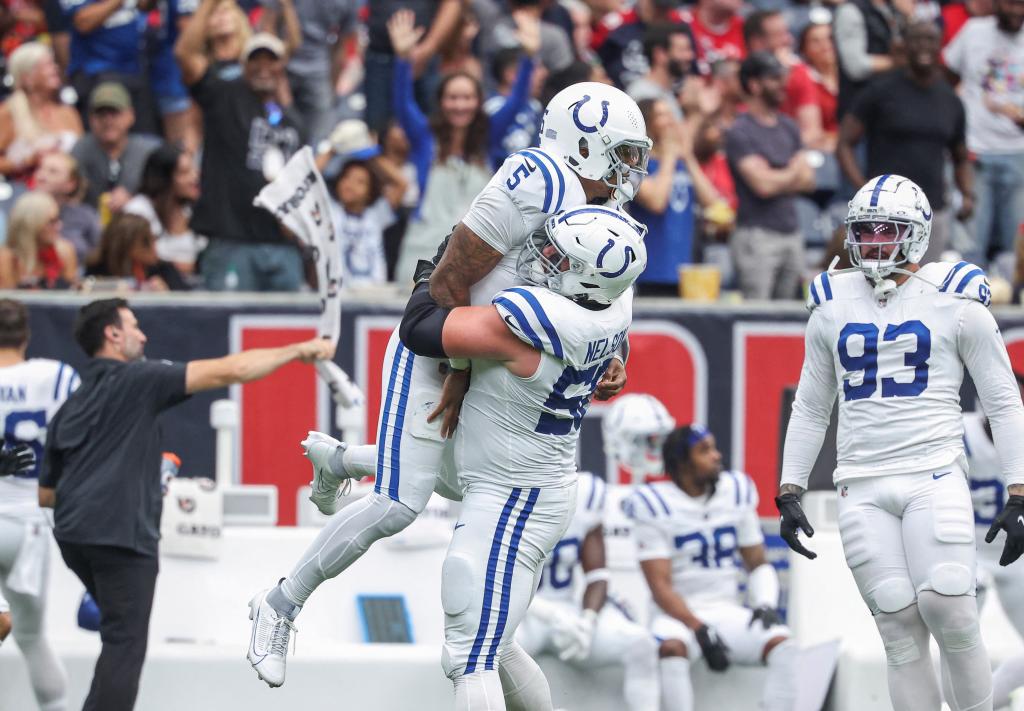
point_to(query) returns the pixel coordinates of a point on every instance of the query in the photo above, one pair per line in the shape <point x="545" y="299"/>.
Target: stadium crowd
<point x="135" y="133"/>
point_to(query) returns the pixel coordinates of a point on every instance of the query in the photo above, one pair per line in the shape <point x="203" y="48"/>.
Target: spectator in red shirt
<point x="820" y="128"/>
<point x="718" y="29"/>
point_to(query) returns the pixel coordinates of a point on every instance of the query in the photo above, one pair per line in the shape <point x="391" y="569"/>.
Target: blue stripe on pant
<point x="506" y="583"/>
<point x="395" y="422"/>
<point x="492" y="569"/>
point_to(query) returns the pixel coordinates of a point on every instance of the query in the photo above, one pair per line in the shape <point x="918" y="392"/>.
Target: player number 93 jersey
<point x="523" y="431"/>
<point x="701" y="536"/>
<point x="30" y="395"/>
<point x="896" y="368"/>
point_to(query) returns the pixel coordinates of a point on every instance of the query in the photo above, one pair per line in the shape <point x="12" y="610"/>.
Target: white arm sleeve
<point x="812" y="407"/>
<point x="496" y="219"/>
<point x="984" y="353"/>
<point x="651" y="541"/>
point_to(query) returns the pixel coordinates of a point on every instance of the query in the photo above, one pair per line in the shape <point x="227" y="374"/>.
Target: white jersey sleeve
<point x="962" y="279"/>
<point x="573" y="341"/>
<point x="651" y="524"/>
<point x="748" y="529"/>
<point x="530" y="186"/>
<point x="812" y="407"/>
<point x="983" y="351"/>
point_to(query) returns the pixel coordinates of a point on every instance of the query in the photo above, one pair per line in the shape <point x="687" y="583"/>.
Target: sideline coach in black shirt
<point x="101" y="474"/>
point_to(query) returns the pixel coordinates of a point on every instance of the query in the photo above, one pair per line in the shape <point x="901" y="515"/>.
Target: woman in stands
<point x="36" y="256"/>
<point x="449" y="149"/>
<point x="33" y="120"/>
<point x="128" y="250"/>
<point x="169" y="186"/>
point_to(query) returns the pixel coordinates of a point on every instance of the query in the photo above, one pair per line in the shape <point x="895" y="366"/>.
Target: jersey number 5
<point x="519" y="174"/>
<point x="867" y="362"/>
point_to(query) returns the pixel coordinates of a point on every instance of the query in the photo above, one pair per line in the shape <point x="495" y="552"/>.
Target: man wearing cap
<point x="105" y="40"/>
<point x="249" y="136"/>
<point x="110" y="157"/>
<point x="767" y="159"/>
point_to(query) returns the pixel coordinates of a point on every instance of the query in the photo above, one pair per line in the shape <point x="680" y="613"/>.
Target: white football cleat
<point x="326" y="486"/>
<point x="268" y="644"/>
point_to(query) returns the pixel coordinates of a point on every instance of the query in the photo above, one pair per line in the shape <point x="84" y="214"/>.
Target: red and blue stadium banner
<point x="728" y="368"/>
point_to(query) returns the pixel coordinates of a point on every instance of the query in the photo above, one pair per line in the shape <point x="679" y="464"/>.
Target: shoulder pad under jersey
<point x="961" y="279"/>
<point x="561" y="327"/>
<point x="537" y="179"/>
<point x="832" y="287"/>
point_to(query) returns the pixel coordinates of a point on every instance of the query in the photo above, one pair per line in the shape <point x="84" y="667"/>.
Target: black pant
<point x="122" y="582"/>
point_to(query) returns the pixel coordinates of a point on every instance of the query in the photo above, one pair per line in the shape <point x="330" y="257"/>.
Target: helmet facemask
<point x="877" y="247"/>
<point x="543" y="262"/>
<point x="628" y="161"/>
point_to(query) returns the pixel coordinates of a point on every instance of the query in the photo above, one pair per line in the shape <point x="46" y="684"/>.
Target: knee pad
<point x="900" y="632"/>
<point x="951" y="579"/>
<point x="456" y="585"/>
<point x="892" y="595"/>
<point x="451" y="670"/>
<point x="901" y="651"/>
<point x="952" y="619"/>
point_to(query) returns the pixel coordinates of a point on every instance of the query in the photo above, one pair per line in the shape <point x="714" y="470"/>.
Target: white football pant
<point x="49" y="680"/>
<point x="746" y="643"/>
<point x="490" y="572"/>
<point x="909" y="538"/>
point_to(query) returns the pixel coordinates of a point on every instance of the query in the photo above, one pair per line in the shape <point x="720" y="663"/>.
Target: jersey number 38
<point x="867" y="362"/>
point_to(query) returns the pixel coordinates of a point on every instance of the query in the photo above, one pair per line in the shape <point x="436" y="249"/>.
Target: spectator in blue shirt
<point x="667" y="199"/>
<point x="106" y="39"/>
<point x="171" y="96"/>
<point x="514" y="111"/>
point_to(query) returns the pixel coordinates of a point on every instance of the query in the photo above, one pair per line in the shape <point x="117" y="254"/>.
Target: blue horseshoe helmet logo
<point x="576" y="115"/>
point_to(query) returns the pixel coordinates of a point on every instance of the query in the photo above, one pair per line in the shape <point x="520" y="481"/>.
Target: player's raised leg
<point x="408" y="460"/>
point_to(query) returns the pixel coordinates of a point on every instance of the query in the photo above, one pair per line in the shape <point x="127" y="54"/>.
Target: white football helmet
<point x="634" y="430"/>
<point x="888" y="224"/>
<point x="589" y="253"/>
<point x="599" y="132"/>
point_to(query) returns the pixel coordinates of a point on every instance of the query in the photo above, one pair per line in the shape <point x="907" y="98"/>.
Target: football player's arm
<point x="658" y="573"/>
<point x="812" y="408"/>
<point x="983" y="351"/>
<point x="595" y="574"/>
<point x="467" y="260"/>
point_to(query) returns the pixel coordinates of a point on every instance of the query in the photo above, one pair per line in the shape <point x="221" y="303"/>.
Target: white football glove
<point x="574" y="635"/>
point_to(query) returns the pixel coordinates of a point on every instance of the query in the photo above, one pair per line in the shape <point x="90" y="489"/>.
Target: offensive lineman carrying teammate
<point x="538" y="355"/>
<point x="593" y="146"/>
<point x="891" y="339"/>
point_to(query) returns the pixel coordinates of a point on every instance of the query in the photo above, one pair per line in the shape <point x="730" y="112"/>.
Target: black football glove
<point x="1010" y="520"/>
<point x="794" y="521"/>
<point x="714" y="649"/>
<point x="17" y="459"/>
<point x="767" y="616"/>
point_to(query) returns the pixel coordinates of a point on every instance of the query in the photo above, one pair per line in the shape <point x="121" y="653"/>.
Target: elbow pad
<point x="423" y="324"/>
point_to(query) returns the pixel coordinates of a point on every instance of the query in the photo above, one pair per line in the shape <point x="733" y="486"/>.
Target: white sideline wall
<point x="200" y="630"/>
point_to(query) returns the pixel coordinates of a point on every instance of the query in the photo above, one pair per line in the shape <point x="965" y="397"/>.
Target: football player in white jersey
<point x="31" y="392"/>
<point x="891" y="339"/>
<point x="538" y="354"/>
<point x="692" y="533"/>
<point x="988" y="494"/>
<point x="594" y="146"/>
<point x="634" y="431"/>
<point x="591" y="631"/>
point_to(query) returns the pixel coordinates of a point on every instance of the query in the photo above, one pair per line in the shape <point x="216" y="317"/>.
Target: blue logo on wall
<point x="576" y="114"/>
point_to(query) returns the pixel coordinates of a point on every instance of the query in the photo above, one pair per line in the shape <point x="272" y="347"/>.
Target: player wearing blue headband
<point x="692" y="534"/>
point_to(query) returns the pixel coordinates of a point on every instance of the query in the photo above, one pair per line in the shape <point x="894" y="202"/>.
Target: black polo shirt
<point x="103" y="453"/>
